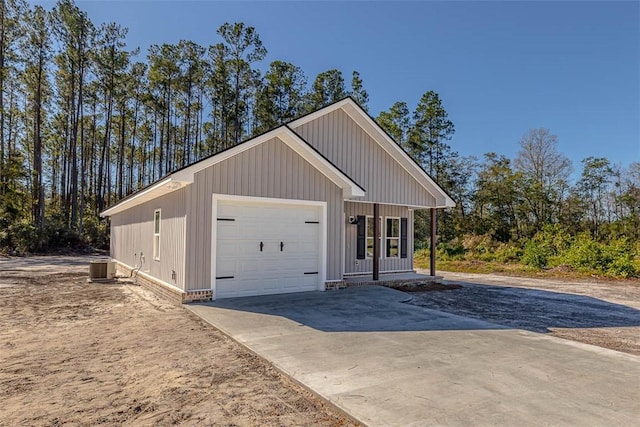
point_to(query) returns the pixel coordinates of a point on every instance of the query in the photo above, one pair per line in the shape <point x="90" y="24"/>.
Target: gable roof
<point x="378" y="134"/>
<point x="184" y="176"/>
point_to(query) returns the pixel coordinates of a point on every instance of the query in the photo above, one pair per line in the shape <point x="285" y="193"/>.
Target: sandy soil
<point x="86" y="354"/>
<point x="606" y="314"/>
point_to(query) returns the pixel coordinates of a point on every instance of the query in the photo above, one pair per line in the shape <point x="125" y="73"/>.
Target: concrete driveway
<point x="389" y="363"/>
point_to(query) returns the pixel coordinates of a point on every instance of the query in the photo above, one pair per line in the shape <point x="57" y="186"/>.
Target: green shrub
<point x="450" y="251"/>
<point x="58" y="235"/>
<point x="507" y="253"/>
<point x="616" y="258"/>
<point x="585" y="254"/>
<point x="480" y="247"/>
<point x="535" y="254"/>
<point x="621" y="255"/>
<point x="546" y="246"/>
<point x="95" y="232"/>
<point x="24" y="237"/>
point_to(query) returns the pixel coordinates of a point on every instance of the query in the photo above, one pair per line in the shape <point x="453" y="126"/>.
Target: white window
<point x="156" y="234"/>
<point x="370" y="235"/>
<point x="392" y="237"/>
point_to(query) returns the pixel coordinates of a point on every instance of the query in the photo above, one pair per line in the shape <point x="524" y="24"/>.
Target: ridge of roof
<point x="287" y="125"/>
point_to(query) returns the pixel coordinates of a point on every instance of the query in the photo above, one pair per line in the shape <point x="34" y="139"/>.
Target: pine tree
<point x="241" y="48"/>
<point x="358" y="92"/>
<point x="328" y="87"/>
<point x="281" y="96"/>
<point x="36" y="49"/>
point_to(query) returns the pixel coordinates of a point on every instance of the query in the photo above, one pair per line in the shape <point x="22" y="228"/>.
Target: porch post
<point x="432" y="254"/>
<point x="376" y="242"/>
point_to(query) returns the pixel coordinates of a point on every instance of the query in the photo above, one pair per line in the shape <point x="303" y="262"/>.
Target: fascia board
<point x="391" y="147"/>
<point x="165" y="186"/>
<point x="350" y="188"/>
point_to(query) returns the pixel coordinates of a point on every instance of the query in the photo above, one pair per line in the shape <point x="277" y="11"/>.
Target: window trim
<point x="156" y="235"/>
<point x="388" y="239"/>
<point x="367" y="238"/>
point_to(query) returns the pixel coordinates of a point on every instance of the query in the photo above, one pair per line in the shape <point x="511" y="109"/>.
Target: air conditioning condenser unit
<point x="102" y="270"/>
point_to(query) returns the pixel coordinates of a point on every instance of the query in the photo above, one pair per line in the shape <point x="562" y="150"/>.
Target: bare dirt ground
<point x="86" y="354"/>
<point x="602" y="313"/>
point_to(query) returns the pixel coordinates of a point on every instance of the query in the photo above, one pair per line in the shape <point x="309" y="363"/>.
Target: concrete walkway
<point x="388" y="363"/>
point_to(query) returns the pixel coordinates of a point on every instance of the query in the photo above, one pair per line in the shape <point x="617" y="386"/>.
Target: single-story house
<point x="298" y="208"/>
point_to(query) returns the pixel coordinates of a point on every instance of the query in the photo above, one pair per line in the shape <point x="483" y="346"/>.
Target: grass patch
<point x="516" y="270"/>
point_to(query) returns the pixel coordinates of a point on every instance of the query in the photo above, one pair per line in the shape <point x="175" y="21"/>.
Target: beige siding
<point x="132" y="235"/>
<point x="386" y="264"/>
<point x="352" y="150"/>
<point x="271" y="170"/>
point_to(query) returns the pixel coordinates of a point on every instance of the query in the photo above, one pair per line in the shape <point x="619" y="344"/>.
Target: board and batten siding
<point x="363" y="266"/>
<point x="272" y="170"/>
<point x="339" y="138"/>
<point x="132" y="234"/>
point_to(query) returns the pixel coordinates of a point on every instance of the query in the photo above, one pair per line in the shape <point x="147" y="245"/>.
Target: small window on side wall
<point x="156" y="234"/>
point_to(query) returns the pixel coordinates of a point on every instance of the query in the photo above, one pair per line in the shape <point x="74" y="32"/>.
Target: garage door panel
<point x="274" y="269"/>
<point x="228" y="270"/>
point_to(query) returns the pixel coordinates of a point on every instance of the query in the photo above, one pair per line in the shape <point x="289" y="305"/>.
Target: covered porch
<point x="379" y="242"/>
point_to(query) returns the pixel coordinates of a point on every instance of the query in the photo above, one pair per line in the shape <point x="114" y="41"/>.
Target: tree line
<point x="85" y="120"/>
<point x="527" y="209"/>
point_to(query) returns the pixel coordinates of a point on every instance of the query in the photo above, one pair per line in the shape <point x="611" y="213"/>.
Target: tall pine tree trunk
<point x="38" y="190"/>
<point x="136" y="106"/>
<point x="121" y="151"/>
<point x="2" y="86"/>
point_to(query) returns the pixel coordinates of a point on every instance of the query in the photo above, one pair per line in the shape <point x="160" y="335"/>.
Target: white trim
<point x="268" y="200"/>
<point x="156" y="250"/>
<point x="366" y="236"/>
<point x="293" y="141"/>
<point x="387" y="237"/>
<point x="391" y="147"/>
<point x="319" y="113"/>
<point x="344" y="241"/>
<point x="442" y="200"/>
<point x="215" y="198"/>
<point x="165" y="186"/>
<point x="214" y="243"/>
<point x="186" y="176"/>
<point x="184" y="247"/>
<point x="349" y="187"/>
<point x="414" y="207"/>
<point x="323" y="248"/>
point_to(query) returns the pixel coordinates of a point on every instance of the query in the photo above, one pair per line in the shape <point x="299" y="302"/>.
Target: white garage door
<point x="266" y="248"/>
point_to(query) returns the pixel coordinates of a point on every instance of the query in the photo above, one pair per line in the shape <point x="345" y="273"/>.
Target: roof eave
<point x="165" y="186"/>
<point x="184" y="177"/>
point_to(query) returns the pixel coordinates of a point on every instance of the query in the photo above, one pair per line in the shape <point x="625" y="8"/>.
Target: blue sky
<point x="501" y="68"/>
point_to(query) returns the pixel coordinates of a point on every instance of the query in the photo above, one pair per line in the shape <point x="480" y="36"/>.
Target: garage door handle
<point x="281" y="246"/>
<point x="261" y="246"/>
